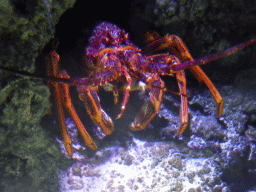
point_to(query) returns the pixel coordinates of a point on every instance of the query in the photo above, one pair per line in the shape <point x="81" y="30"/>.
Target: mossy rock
<point x="30" y="158"/>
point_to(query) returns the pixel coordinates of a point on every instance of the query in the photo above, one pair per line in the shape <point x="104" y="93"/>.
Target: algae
<point x="30" y="158"/>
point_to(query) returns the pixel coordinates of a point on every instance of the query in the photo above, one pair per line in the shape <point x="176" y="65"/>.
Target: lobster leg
<point x="115" y="73"/>
<point x="151" y="106"/>
<point x="52" y="70"/>
<point x="180" y="76"/>
<point x="91" y="102"/>
<point x="175" y="45"/>
<point x="201" y="76"/>
<point x="127" y="91"/>
<point x="179" y="49"/>
<point x="66" y="100"/>
<point x="61" y="118"/>
<point x="62" y="99"/>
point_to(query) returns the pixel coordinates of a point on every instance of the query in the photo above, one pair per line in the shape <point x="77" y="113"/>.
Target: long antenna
<point x="24" y="73"/>
<point x="213" y="57"/>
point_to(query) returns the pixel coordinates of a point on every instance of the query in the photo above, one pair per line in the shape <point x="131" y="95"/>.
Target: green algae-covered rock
<point x="25" y="27"/>
<point x="30" y="158"/>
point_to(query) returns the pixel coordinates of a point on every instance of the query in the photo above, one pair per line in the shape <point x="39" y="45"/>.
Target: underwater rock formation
<point x="212" y="154"/>
<point x="29" y="156"/>
<point x="144" y="166"/>
<point x="231" y="137"/>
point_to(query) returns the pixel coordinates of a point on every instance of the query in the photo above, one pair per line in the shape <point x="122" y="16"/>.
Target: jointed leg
<point x="175" y="45"/>
<point x="180" y="76"/>
<point x="52" y="64"/>
<point x="127" y="91"/>
<point x="62" y="99"/>
<point x="66" y="100"/>
<point x="91" y="102"/>
<point x="151" y="106"/>
<point x="61" y="118"/>
<point x="201" y="76"/>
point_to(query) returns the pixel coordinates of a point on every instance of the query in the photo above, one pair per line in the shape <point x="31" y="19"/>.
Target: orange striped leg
<point x="92" y="104"/>
<point x="127" y="91"/>
<point x="66" y="99"/>
<point x="198" y="72"/>
<point x="177" y="46"/>
<point x="180" y="76"/>
<point x="52" y="66"/>
<point x="61" y="118"/>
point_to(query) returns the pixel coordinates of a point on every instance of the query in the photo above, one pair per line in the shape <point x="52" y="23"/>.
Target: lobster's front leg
<point x="91" y="102"/>
<point x="151" y="106"/>
<point x="52" y="70"/>
<point x="66" y="100"/>
<point x="63" y="99"/>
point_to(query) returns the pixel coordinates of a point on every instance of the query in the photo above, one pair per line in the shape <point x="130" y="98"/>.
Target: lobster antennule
<point x="214" y="57"/>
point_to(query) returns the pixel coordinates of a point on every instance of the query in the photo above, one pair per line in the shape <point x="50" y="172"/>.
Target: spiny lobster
<point x="111" y="56"/>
